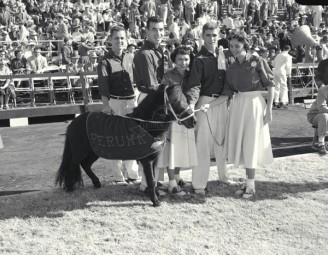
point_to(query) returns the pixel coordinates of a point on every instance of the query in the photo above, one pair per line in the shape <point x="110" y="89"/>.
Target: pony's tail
<point x="69" y="174"/>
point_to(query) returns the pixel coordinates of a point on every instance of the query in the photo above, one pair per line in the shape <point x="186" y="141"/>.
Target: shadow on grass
<point x="15" y="192"/>
<point x="266" y="190"/>
<point x="55" y="203"/>
<point x="288" y="146"/>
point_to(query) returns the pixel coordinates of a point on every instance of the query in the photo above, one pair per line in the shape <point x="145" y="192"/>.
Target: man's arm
<point x="104" y="72"/>
<point x="193" y="86"/>
<point x="144" y="72"/>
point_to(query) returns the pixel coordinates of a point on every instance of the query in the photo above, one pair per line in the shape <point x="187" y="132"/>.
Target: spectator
<point x="282" y="70"/>
<point x="18" y="64"/>
<point x="66" y="52"/>
<point x="14" y="33"/>
<point x="183" y="27"/>
<point x="62" y="30"/>
<point x="318" y="113"/>
<point x="37" y="63"/>
<point x="148" y="8"/>
<point x="223" y="41"/>
<point x="7" y="88"/>
<point x="228" y="22"/>
<point x="174" y="28"/>
<point x="83" y="49"/>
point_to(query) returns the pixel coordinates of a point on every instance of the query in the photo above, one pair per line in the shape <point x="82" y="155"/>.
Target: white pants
<point x="280" y="90"/>
<point x="209" y="132"/>
<point x="127" y="168"/>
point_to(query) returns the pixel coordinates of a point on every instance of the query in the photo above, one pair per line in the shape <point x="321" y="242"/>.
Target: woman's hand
<point x="107" y="110"/>
<point x="205" y="107"/>
<point x="268" y="116"/>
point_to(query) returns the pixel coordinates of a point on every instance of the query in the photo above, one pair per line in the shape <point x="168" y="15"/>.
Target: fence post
<point x="290" y="91"/>
<point x="84" y="92"/>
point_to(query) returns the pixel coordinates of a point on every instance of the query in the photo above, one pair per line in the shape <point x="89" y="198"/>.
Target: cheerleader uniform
<point x="248" y="139"/>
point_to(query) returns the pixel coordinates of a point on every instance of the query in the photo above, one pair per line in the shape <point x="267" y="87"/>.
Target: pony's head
<point x="165" y="104"/>
<point x="178" y="107"/>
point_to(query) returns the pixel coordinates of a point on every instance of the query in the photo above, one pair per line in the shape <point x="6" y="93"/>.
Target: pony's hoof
<point x="156" y="203"/>
<point x="97" y="185"/>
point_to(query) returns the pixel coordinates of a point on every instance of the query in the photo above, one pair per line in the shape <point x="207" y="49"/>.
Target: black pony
<point x="167" y="103"/>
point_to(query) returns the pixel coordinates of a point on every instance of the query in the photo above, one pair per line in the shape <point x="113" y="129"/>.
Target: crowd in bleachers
<point x="71" y="34"/>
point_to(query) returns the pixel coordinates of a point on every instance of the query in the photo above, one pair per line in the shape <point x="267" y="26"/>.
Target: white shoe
<point x="249" y="193"/>
<point x="120" y="183"/>
<point x="199" y="191"/>
<point x="161" y="193"/>
<point x="230" y="183"/>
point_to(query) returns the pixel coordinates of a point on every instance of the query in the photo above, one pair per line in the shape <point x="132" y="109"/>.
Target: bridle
<point x="177" y="116"/>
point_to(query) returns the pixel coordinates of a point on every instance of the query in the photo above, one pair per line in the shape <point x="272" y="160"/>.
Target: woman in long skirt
<point x="180" y="148"/>
<point x="248" y="138"/>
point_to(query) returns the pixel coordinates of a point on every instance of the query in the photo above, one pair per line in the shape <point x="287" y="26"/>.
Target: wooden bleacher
<point x="52" y="90"/>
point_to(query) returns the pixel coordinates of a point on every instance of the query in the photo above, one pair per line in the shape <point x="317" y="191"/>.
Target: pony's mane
<point x="151" y="103"/>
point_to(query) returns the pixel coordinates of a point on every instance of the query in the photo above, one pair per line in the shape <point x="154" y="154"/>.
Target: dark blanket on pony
<point x="117" y="137"/>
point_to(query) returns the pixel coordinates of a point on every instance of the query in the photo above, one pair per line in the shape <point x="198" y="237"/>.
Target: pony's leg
<point x="86" y="165"/>
<point x="148" y="166"/>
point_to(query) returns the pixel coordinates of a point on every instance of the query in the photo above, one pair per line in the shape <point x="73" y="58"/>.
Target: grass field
<point x="288" y="216"/>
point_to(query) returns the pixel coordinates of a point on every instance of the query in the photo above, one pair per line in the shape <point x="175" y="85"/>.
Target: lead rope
<point x="208" y="122"/>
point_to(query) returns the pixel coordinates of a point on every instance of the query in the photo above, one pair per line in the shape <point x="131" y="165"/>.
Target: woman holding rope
<point x="180" y="139"/>
<point x="248" y="138"/>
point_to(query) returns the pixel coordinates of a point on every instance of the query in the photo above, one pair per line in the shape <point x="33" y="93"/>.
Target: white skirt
<point x="248" y="139"/>
<point x="179" y="149"/>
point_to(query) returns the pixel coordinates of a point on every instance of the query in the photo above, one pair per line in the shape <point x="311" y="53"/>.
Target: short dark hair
<point x="286" y="47"/>
<point x="181" y="50"/>
<point x="66" y="39"/>
<point x="116" y="29"/>
<point x="153" y="19"/>
<point x="37" y="47"/>
<point x="16" y="52"/>
<point x="241" y="38"/>
<point x="209" y="26"/>
<point x="169" y="46"/>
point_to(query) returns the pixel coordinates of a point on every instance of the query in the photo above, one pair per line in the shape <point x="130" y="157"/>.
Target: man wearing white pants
<point x="117" y="95"/>
<point x="282" y="68"/>
<point x="205" y="86"/>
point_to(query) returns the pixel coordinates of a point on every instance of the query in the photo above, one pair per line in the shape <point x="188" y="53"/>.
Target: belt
<point x="212" y="95"/>
<point x="122" y="97"/>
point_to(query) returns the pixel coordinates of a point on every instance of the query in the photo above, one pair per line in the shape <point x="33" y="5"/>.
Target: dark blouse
<point x="251" y="75"/>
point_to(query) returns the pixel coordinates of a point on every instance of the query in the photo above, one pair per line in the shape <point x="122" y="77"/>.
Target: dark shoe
<point x="275" y="105"/>
<point x="284" y="106"/>
<point x="322" y="150"/>
<point x="181" y="183"/>
<point x="315" y="145"/>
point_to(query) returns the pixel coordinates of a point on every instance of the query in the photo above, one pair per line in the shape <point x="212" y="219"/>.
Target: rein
<point x="175" y="115"/>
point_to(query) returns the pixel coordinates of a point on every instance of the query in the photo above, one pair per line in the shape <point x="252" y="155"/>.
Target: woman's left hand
<point x="268" y="116"/>
<point x="205" y="107"/>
